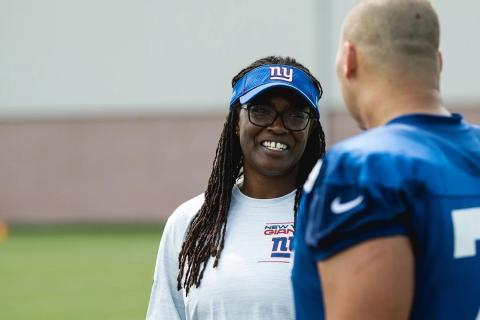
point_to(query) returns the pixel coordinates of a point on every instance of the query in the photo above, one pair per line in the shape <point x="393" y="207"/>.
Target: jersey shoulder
<point x="382" y="155"/>
<point x="399" y="154"/>
<point x="396" y="139"/>
<point x="407" y="140"/>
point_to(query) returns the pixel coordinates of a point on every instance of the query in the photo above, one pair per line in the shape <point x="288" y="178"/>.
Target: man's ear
<point x="439" y="61"/>
<point x="349" y="60"/>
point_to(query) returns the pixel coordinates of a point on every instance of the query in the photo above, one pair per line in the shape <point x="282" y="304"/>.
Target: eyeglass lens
<point x="264" y="115"/>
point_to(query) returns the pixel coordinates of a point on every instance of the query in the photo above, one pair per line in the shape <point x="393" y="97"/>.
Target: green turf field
<point x="77" y="273"/>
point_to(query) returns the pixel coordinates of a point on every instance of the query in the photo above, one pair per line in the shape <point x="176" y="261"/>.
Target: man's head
<point x="387" y="45"/>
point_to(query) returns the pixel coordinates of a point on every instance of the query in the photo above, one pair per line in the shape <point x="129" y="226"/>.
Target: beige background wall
<point x="115" y="170"/>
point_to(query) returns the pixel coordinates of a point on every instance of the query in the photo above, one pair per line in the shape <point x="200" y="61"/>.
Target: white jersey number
<point x="466" y="229"/>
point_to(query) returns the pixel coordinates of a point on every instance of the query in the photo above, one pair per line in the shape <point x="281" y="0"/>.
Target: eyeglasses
<point x="264" y="116"/>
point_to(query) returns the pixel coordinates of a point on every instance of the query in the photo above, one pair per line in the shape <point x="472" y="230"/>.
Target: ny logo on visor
<point x="281" y="73"/>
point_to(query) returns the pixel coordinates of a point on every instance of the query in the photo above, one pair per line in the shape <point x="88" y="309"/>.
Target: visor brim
<point x="247" y="97"/>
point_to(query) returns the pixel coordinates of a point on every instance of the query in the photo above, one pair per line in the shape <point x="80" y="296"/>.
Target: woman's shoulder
<point x="185" y="212"/>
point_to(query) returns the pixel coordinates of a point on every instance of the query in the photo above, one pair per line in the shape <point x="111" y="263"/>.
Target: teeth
<point x="272" y="145"/>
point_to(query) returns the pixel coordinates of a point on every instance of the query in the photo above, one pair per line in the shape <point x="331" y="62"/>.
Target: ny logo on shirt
<point x="282" y="247"/>
<point x="281" y="239"/>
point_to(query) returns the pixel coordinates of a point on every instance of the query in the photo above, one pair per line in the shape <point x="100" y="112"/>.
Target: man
<point x="391" y="220"/>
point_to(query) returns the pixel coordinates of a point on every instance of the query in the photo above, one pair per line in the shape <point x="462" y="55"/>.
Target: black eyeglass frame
<point x="277" y="114"/>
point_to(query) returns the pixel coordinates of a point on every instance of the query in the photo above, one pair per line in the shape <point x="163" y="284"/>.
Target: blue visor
<point x="265" y="77"/>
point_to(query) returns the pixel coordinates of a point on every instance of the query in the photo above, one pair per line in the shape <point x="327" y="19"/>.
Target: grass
<point x="77" y="273"/>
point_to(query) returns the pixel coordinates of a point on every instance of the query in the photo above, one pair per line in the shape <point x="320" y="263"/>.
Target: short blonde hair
<point x="393" y="33"/>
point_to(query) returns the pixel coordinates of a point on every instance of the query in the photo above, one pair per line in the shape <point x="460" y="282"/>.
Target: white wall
<point x="60" y="56"/>
<point x="460" y="27"/>
<point x="95" y="57"/>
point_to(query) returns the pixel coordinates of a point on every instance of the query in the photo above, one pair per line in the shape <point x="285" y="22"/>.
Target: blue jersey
<point x="417" y="176"/>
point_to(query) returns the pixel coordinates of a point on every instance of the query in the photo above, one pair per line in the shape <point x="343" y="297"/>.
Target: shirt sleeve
<point x="347" y="206"/>
<point x="166" y="302"/>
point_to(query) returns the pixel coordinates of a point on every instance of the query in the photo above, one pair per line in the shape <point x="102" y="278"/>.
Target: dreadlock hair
<point x="206" y="234"/>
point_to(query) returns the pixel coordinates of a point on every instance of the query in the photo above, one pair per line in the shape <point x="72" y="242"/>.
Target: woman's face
<point x="273" y="150"/>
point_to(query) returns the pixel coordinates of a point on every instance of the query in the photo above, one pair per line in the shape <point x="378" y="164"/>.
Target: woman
<point x="210" y="269"/>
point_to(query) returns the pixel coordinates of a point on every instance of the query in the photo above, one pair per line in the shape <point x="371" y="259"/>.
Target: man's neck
<point x="381" y="108"/>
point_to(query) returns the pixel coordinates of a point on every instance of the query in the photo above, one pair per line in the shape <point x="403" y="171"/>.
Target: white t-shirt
<point x="252" y="279"/>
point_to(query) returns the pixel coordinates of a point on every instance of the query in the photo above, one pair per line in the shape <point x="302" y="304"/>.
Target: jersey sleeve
<point x="166" y="302"/>
<point x="353" y="200"/>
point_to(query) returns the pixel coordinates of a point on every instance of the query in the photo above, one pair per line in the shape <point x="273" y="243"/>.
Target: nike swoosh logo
<point x="338" y="208"/>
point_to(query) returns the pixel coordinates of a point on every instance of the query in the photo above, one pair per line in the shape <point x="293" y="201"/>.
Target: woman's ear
<point x="314" y="123"/>
<point x="237" y="110"/>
